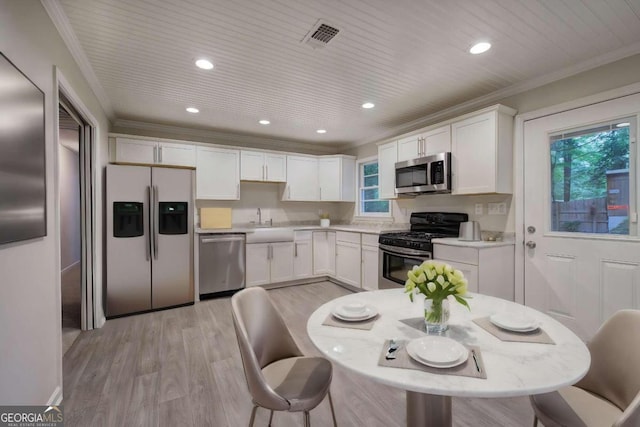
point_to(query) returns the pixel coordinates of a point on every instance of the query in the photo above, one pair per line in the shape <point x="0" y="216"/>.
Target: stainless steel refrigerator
<point x="149" y="238"/>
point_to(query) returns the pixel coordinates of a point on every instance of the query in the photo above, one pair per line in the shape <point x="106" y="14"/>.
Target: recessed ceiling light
<point x="368" y="105"/>
<point x="193" y="110"/>
<point x="321" y="131"/>
<point x="264" y="122"/>
<point x="205" y="64"/>
<point x="480" y="48"/>
<point x="623" y="125"/>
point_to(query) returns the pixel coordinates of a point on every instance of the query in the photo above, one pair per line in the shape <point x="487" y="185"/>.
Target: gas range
<point x="418" y="240"/>
<point x="424" y="227"/>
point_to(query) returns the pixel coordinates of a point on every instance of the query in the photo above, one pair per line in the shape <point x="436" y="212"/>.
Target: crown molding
<point x="218" y="137"/>
<point x="501" y="94"/>
<point x="62" y="24"/>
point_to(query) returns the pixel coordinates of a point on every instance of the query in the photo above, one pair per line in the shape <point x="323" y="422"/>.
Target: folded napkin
<point x="404" y="361"/>
<point x="366" y="325"/>
<point x="538" y="336"/>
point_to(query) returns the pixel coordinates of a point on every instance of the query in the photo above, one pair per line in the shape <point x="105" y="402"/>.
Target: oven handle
<point x="405" y="252"/>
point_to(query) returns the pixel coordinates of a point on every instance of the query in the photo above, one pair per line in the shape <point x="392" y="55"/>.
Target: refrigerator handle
<point x="150" y="219"/>
<point x="156" y="211"/>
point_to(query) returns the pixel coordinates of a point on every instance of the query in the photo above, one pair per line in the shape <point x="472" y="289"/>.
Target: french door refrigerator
<point x="149" y="238"/>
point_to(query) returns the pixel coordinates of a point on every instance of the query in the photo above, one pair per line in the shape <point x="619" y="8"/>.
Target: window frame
<point x="360" y="164"/>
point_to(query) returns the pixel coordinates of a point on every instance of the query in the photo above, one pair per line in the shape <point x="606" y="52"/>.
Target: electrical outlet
<point x="502" y="208"/>
<point x="497" y="208"/>
<point x="479" y="209"/>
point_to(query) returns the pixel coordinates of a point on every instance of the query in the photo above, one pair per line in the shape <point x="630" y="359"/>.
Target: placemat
<point x="366" y="325"/>
<point x="538" y="336"/>
<point x="404" y="361"/>
<point x="415" y="322"/>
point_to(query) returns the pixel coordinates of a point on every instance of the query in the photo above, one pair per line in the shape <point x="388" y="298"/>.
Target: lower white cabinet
<point x="348" y="258"/>
<point x="302" y="255"/>
<point x="324" y="253"/>
<point x="269" y="263"/>
<point x="369" y="253"/>
<point x="489" y="270"/>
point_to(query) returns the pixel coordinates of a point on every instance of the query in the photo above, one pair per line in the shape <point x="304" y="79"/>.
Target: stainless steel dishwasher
<point x="221" y="263"/>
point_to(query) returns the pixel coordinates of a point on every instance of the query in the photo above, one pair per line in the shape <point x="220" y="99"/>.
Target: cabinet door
<point x="324" y="253"/>
<point x="302" y="178"/>
<point x="473" y="152"/>
<point x="331" y="249"/>
<point x="437" y="140"/>
<point x="281" y="261"/>
<point x="275" y="167"/>
<point x="176" y="154"/>
<point x="257" y="264"/>
<point x="302" y="259"/>
<point x="348" y="263"/>
<point x="387" y="158"/>
<point x="470" y="272"/>
<point x="369" y="276"/>
<point x="217" y="174"/>
<point x="409" y="148"/>
<point x="136" y="151"/>
<point x="329" y="178"/>
<point x="251" y="166"/>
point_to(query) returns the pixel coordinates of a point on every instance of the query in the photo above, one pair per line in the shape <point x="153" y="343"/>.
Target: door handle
<point x="531" y="244"/>
<point x="531" y="229"/>
<point x="150" y="218"/>
<point x="156" y="222"/>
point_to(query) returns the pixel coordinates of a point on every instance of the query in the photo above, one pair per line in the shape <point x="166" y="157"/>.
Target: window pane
<point x="380" y="206"/>
<point x="590" y="181"/>
<point x="371" y="181"/>
<point x="371" y="169"/>
<point x="371" y="194"/>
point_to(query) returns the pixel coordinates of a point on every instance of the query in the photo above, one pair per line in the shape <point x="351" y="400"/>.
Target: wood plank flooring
<point x="181" y="367"/>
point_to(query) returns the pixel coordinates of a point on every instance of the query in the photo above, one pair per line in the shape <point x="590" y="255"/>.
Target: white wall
<point x="30" y="319"/>
<point x="69" y="178"/>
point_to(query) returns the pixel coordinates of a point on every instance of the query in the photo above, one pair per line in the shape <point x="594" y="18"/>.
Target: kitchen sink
<point x="270" y="235"/>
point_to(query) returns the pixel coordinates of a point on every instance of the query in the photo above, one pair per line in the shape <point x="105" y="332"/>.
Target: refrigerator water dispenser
<point x="172" y="217"/>
<point x="127" y="219"/>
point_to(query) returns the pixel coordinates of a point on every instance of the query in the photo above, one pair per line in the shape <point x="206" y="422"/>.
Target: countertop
<point x="356" y="228"/>
<point x="453" y="241"/>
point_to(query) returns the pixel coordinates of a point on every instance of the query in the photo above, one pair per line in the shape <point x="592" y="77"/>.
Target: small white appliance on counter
<point x="149" y="238"/>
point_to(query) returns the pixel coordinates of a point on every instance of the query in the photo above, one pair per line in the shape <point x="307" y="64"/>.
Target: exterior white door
<point x="582" y="253"/>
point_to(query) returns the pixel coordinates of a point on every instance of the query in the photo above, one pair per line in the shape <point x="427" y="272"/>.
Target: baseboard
<point x="69" y="267"/>
<point x="56" y="397"/>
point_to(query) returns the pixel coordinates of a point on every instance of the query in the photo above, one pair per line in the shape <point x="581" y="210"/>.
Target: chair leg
<point x="307" y="420"/>
<point x="253" y="415"/>
<point x="270" y="418"/>
<point x="535" y="421"/>
<point x="333" y="412"/>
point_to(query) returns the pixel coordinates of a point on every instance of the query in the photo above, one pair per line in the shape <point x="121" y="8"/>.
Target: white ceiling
<point x="408" y="57"/>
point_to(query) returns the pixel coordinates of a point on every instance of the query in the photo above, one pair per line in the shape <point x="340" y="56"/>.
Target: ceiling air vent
<point x="320" y="35"/>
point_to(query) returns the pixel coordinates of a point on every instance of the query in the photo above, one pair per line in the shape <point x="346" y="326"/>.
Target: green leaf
<point x="462" y="301"/>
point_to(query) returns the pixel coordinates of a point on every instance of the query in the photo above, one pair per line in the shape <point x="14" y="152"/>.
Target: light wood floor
<point x="180" y="367"/>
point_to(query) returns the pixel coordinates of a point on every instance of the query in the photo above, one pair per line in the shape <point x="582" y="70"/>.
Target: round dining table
<point x="511" y="368"/>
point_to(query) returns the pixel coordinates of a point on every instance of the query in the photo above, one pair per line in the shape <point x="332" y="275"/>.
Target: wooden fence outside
<point x="584" y="216"/>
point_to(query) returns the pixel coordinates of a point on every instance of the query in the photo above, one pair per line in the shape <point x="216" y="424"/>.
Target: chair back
<point x="263" y="338"/>
<point x="615" y="359"/>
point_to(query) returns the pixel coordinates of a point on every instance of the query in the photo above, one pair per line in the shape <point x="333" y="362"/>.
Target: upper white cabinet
<point x="262" y="166"/>
<point x="302" y="178"/>
<point x="387" y="158"/>
<point x="217" y="174"/>
<point x="482" y="152"/>
<point x="141" y="151"/>
<point x="433" y="141"/>
<point x="336" y="178"/>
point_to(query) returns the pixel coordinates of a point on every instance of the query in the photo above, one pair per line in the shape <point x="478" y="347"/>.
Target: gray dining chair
<point x="279" y="376"/>
<point x="609" y="394"/>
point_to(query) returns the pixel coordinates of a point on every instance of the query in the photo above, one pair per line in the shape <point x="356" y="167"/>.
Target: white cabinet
<point x="482" y="152"/>
<point x="489" y="270"/>
<point x="140" y="151"/>
<point x="302" y="178"/>
<point x="269" y="263"/>
<point x="217" y="174"/>
<point x="348" y="258"/>
<point x="302" y="255"/>
<point x="262" y="166"/>
<point x="336" y="178"/>
<point x="369" y="275"/>
<point x="324" y="253"/>
<point x="387" y="158"/>
<point x="432" y="141"/>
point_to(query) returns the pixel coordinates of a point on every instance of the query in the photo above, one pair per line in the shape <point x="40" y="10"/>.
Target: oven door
<point x="394" y="263"/>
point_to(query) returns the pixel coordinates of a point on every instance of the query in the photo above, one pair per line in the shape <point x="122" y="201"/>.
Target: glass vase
<point x="436" y="316"/>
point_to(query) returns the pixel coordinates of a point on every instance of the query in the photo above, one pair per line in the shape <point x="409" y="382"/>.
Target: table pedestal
<point x="428" y="410"/>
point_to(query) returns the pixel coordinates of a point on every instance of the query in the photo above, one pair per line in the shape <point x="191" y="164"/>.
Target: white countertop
<point x="513" y="368"/>
<point x="373" y="229"/>
<point x="453" y="241"/>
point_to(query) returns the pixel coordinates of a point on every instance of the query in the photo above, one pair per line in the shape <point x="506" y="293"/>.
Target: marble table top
<point x="513" y="368"/>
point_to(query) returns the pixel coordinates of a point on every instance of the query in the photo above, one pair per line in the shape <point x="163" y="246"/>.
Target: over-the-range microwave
<point x="430" y="174"/>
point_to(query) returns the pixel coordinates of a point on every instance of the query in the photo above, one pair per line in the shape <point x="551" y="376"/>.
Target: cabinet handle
<point x="289" y="192"/>
<point x="295" y="251"/>
<point x="266" y="172"/>
<point x="160" y="154"/>
<point x="320" y="193"/>
<point x="238" y="191"/>
<point x="263" y="172"/>
<point x="155" y="154"/>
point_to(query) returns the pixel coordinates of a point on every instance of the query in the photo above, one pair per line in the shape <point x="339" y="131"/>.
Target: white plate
<point x="514" y="322"/>
<point x="345" y="315"/>
<point x="437" y="351"/>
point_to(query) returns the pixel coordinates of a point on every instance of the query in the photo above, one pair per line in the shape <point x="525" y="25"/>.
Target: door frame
<point x="519" y="167"/>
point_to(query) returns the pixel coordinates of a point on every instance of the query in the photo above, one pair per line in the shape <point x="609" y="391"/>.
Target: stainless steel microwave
<point x="430" y="174"/>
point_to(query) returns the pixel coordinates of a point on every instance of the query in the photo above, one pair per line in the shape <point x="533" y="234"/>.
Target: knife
<point x="475" y="360"/>
<point x="393" y="346"/>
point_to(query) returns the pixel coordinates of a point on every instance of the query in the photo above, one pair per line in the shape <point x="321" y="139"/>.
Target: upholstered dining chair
<point x="279" y="376"/>
<point x="609" y="394"/>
